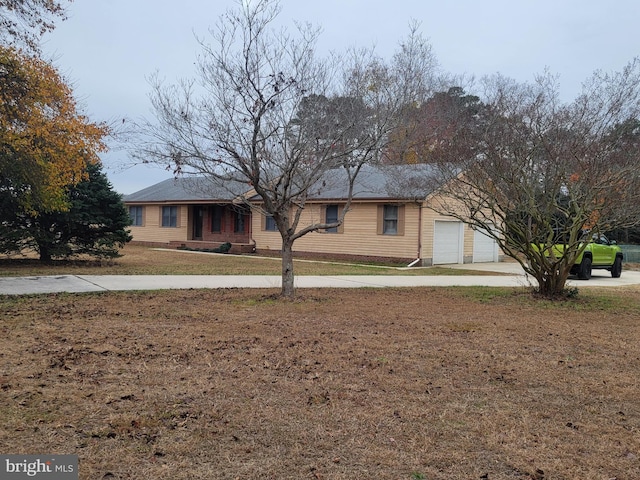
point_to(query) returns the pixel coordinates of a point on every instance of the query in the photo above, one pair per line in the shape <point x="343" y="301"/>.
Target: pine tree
<point x="95" y="223"/>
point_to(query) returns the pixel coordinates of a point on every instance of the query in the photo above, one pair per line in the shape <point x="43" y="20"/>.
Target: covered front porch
<point x="209" y="226"/>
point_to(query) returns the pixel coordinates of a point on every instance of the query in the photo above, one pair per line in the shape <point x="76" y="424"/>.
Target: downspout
<point x="251" y="239"/>
<point x="419" y="253"/>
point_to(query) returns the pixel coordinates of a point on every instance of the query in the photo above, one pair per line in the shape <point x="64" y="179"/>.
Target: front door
<point x="198" y="214"/>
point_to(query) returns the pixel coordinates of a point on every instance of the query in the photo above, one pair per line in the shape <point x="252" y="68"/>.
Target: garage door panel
<point x="447" y="242"/>
<point x="485" y="248"/>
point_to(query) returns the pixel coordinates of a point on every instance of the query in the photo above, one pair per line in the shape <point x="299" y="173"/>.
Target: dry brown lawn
<point x="139" y="260"/>
<point x="411" y="384"/>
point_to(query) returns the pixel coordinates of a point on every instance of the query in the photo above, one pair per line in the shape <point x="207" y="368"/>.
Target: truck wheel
<point x="616" y="269"/>
<point x="585" y="269"/>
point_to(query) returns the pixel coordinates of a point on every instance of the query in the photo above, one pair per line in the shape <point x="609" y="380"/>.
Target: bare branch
<point x="267" y="112"/>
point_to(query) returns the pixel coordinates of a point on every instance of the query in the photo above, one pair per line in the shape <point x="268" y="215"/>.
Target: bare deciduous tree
<point x="268" y="114"/>
<point x="23" y="22"/>
<point x="546" y="172"/>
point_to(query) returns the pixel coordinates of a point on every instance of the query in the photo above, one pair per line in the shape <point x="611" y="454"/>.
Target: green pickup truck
<point x="599" y="253"/>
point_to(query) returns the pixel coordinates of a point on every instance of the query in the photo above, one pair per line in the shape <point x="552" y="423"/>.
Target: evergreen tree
<point x="95" y="223"/>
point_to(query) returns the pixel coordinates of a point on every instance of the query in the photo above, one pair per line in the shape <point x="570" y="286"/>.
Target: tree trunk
<point x="551" y="284"/>
<point x="287" y="269"/>
<point x="45" y="253"/>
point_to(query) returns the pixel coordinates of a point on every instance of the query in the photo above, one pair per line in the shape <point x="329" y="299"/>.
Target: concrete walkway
<point x="511" y="276"/>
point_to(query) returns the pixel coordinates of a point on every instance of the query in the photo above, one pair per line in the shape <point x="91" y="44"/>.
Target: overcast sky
<point x="108" y="48"/>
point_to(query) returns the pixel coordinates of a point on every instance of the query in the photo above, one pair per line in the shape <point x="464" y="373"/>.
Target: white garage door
<point x="485" y="248"/>
<point x="447" y="242"/>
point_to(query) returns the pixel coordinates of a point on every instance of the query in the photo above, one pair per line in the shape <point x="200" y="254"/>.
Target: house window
<point x="331" y="216"/>
<point x="135" y="213"/>
<point x="270" y="224"/>
<point x="391" y="220"/>
<point x="216" y="218"/>
<point x="169" y="216"/>
<point x="240" y="223"/>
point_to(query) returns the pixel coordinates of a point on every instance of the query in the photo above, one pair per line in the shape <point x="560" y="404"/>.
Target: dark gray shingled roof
<point x="379" y="182"/>
<point x="188" y="189"/>
<point x="373" y="182"/>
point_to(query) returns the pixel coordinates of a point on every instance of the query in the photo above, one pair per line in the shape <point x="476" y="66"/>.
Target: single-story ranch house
<point x="193" y="212"/>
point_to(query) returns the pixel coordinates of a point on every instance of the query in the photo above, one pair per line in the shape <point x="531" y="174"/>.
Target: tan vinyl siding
<point x="152" y="231"/>
<point x="358" y="237"/>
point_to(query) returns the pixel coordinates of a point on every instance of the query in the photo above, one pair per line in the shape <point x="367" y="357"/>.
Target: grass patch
<point x="138" y="260"/>
<point x="603" y="300"/>
<point x="437" y="383"/>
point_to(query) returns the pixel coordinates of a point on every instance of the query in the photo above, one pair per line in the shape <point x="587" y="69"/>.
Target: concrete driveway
<point x="509" y="275"/>
<point x="599" y="278"/>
